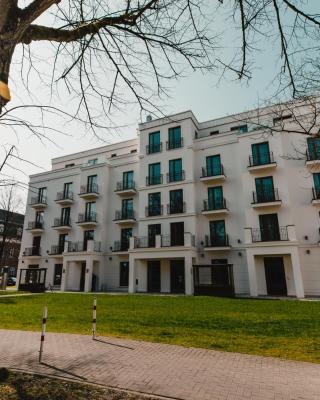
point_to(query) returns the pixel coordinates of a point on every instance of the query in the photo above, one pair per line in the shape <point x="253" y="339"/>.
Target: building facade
<point x="218" y="207"/>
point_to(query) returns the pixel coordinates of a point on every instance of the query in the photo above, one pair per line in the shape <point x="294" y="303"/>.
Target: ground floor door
<point x="82" y="277"/>
<point x="275" y="276"/>
<point x="154" y="276"/>
<point x="177" y="276"/>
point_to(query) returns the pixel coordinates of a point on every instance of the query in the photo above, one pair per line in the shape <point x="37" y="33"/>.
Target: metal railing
<point x="153" y="211"/>
<point x="64" y="196"/>
<point x="97" y="246"/>
<point x="154" y="180"/>
<point x="32" y="251"/>
<point x="265" y="196"/>
<point x="122" y="185"/>
<point x="176" y="176"/>
<point x="216" y="240"/>
<point x="212" y="205"/>
<point x="35" y="225"/>
<point x="210" y="171"/>
<point x="121" y="245"/>
<point x="38" y="200"/>
<point x="174" y="144"/>
<point x="61" y="222"/>
<point x="169" y="241"/>
<point x="91" y="188"/>
<point x="74" y="247"/>
<point x="267" y="158"/>
<point x="154" y="148"/>
<point x="57" y="249"/>
<point x="87" y="217"/>
<point x="141" y="242"/>
<point x="273" y="234"/>
<point x="176" y="208"/>
<point x="124" y="214"/>
<point x="315" y="193"/>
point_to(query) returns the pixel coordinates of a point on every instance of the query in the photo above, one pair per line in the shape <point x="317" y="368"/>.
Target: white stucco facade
<point x="105" y="265"/>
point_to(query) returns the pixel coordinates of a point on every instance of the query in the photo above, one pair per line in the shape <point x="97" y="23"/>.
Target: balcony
<point x="313" y="159"/>
<point x="89" y="192"/>
<point x="144" y="242"/>
<point x="80" y="247"/>
<point x="120" y="246"/>
<point x="172" y="241"/>
<point x="176" y="177"/>
<point x="125" y="217"/>
<point x="153" y="211"/>
<point x="212" y="174"/>
<point x="216" y="242"/>
<point x="39" y="202"/>
<point x="87" y="220"/>
<point x="176" y="208"/>
<point x="56" y="250"/>
<point x="62" y="224"/>
<point x="64" y="199"/>
<point x="265" y="199"/>
<point x="154" y="148"/>
<point x="215" y="207"/>
<point x="154" y="180"/>
<point x="126" y="188"/>
<point x="32" y="252"/>
<point x="174" y="144"/>
<point x="276" y="234"/>
<point x="316" y="196"/>
<point x="35" y="227"/>
<point x="262" y="163"/>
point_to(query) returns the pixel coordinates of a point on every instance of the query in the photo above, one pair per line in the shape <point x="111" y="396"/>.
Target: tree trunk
<point x="6" y="52"/>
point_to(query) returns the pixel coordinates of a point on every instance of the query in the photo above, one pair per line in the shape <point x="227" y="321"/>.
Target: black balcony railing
<point x="88" y="189"/>
<point x="154" y="148"/>
<point x="264" y="159"/>
<point x="313" y="155"/>
<point x="131" y="185"/>
<point x="64" y="196"/>
<point x="315" y="193"/>
<point x="61" y="222"/>
<point x="172" y="240"/>
<point x="265" y="196"/>
<point x="154" y="180"/>
<point x="273" y="234"/>
<point x="176" y="208"/>
<point x="121" y="245"/>
<point x="35" y="225"/>
<point x="213" y="240"/>
<point x="153" y="211"/>
<point x="124" y="214"/>
<point x="213" y="205"/>
<point x="57" y="249"/>
<point x="174" y="144"/>
<point x="87" y="217"/>
<point x="74" y="247"/>
<point x="38" y="200"/>
<point x="212" y="171"/>
<point x="176" y="176"/>
<point x="144" y="242"/>
<point x="97" y="247"/>
<point x="32" y="251"/>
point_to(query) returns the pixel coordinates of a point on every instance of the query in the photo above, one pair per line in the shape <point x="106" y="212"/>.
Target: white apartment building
<point x="216" y="207"/>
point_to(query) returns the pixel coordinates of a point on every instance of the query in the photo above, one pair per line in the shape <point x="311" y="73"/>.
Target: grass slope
<point x="287" y="329"/>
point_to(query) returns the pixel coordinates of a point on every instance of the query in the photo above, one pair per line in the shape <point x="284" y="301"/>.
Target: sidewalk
<point x="166" y="370"/>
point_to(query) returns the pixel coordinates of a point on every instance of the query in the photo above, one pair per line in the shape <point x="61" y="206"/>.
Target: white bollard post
<point x="94" y="318"/>
<point x="43" y="332"/>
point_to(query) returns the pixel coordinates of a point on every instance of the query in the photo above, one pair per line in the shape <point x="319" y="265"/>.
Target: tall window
<point x="92" y="184"/>
<point x="177" y="233"/>
<point x="42" y="195"/>
<point x="176" y="201"/>
<point x="313" y="148"/>
<point x="175" y="170"/>
<point x="63" y="237"/>
<point x="126" y="234"/>
<point x="269" y="227"/>
<point x="91" y="211"/>
<point x="154" y="174"/>
<point x="174" y="138"/>
<point x="127" y="208"/>
<point x="213" y="165"/>
<point x="154" y="204"/>
<point x="218" y="233"/>
<point x="65" y="216"/>
<point x="215" y="198"/>
<point x="124" y="273"/>
<point x="316" y="180"/>
<point x="264" y="189"/>
<point x="154" y="143"/>
<point x="127" y="180"/>
<point x="87" y="235"/>
<point x="260" y="154"/>
<point x="153" y="231"/>
<point x="39" y="219"/>
<point x="36" y="245"/>
<point x="67" y="190"/>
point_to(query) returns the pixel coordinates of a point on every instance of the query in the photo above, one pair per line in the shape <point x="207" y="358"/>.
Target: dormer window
<point x="114" y="155"/>
<point x="240" y="128"/>
<point x="278" y="120"/>
<point x="216" y="132"/>
<point x="93" y="161"/>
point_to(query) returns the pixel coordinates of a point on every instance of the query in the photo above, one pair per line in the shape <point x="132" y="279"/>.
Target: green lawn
<point x="11" y="291"/>
<point x="287" y="329"/>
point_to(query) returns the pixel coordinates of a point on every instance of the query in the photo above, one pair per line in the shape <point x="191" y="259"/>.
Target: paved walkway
<point x="173" y="371"/>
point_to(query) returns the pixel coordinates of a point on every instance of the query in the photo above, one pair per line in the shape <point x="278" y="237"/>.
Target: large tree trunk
<point x="6" y="52"/>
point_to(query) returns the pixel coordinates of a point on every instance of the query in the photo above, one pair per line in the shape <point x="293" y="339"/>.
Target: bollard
<point x="94" y="318"/>
<point x="43" y="332"/>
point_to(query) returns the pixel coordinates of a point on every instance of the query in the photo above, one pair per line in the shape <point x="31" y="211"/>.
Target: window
<point x="240" y="128"/>
<point x="92" y="186"/>
<point x="175" y="170"/>
<point x="93" y="161"/>
<point x="91" y="209"/>
<point x="154" y="177"/>
<point x="269" y="227"/>
<point x="127" y="180"/>
<point x="87" y="235"/>
<point x="278" y="120"/>
<point x="124" y="273"/>
<point x="313" y="152"/>
<point x="39" y="219"/>
<point x="316" y="180"/>
<point x="114" y="155"/>
<point x="212" y="133"/>
<point x="153" y="231"/>
<point x="177" y="233"/>
<point x="176" y="201"/>
<point x="69" y="165"/>
<point x="127" y="208"/>
<point x="126" y="234"/>
<point x="174" y="138"/>
<point x="63" y="237"/>
<point x="65" y="216"/>
<point x="264" y="190"/>
<point x="260" y="154"/>
<point x="215" y="198"/>
<point x="57" y="274"/>
<point x="154" y="204"/>
<point x="36" y="245"/>
<point x="218" y="233"/>
<point x="154" y="143"/>
<point x="133" y="151"/>
<point x="42" y="195"/>
<point x="213" y="165"/>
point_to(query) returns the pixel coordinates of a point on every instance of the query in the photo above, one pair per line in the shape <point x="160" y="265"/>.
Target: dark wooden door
<point x="177" y="276"/>
<point x="82" y="276"/>
<point x="275" y="276"/>
<point x="154" y="276"/>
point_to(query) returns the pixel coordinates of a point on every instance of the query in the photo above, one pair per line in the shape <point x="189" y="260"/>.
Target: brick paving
<point x="165" y="370"/>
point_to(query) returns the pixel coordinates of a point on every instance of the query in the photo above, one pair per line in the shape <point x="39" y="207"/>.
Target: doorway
<point x="82" y="276"/>
<point x="275" y="276"/>
<point x="177" y="276"/>
<point x="154" y="276"/>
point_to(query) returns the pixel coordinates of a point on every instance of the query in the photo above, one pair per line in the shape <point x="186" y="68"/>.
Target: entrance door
<point x="82" y="276"/>
<point x="154" y="276"/>
<point x="177" y="276"/>
<point x="275" y="276"/>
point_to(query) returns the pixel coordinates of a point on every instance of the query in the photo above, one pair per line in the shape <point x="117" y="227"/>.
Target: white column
<point x="64" y="276"/>
<point x="88" y="276"/>
<point x="188" y="275"/>
<point x="132" y="288"/>
<point x="252" y="274"/>
<point x="131" y="243"/>
<point x="247" y="235"/>
<point x="158" y="241"/>
<point x="297" y="276"/>
<point x="291" y="232"/>
<point x="90" y="246"/>
<point x="187" y="239"/>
